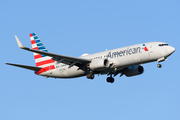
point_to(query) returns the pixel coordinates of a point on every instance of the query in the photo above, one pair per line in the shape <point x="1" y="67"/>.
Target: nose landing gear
<point x="161" y="60"/>
<point x="159" y="65"/>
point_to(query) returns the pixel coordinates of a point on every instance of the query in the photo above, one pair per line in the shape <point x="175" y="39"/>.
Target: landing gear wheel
<point x="90" y="76"/>
<point x="110" y="79"/>
<point x="159" y="65"/>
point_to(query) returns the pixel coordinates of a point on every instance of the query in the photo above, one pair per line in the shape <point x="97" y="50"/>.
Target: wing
<point x="80" y="62"/>
<point x="25" y="66"/>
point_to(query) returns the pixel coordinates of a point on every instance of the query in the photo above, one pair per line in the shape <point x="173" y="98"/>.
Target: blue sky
<point x="76" y="27"/>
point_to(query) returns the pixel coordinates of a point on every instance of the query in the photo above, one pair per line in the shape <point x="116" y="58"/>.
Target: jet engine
<point x="99" y="64"/>
<point x="134" y="70"/>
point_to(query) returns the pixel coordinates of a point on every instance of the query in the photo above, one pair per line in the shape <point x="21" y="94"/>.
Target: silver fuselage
<point x="120" y="57"/>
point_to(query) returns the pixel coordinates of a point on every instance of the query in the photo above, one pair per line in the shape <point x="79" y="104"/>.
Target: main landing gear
<point x="110" y="79"/>
<point x="90" y="76"/>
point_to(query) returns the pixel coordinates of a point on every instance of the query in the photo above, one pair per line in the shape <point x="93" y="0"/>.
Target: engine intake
<point x="99" y="64"/>
<point x="134" y="70"/>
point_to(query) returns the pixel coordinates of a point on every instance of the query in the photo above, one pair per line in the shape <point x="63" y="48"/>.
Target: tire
<point x="159" y="65"/>
<point x="110" y="79"/>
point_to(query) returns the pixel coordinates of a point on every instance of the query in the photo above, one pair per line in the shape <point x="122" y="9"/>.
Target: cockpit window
<point x="163" y="44"/>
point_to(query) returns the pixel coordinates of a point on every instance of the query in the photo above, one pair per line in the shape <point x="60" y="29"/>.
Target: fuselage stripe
<point x="44" y="62"/>
<point x="52" y="67"/>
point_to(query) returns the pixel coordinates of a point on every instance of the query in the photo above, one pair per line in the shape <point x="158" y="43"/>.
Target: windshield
<point x="163" y="44"/>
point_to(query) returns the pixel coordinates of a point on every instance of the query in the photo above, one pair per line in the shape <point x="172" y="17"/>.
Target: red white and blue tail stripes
<point x="41" y="60"/>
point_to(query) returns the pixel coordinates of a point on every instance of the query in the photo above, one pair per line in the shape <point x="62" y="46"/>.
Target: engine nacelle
<point x="134" y="70"/>
<point x="99" y="64"/>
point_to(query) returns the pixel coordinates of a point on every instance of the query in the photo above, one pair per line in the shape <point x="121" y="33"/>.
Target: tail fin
<point x="40" y="60"/>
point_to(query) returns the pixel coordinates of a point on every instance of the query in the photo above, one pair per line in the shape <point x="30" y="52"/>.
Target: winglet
<point x="19" y="43"/>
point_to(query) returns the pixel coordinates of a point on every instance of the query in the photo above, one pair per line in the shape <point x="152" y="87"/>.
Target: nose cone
<point x="170" y="50"/>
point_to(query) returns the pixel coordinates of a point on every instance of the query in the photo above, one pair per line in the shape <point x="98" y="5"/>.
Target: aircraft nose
<point x="170" y="50"/>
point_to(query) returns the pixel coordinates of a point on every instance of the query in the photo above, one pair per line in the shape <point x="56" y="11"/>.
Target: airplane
<point x="124" y="61"/>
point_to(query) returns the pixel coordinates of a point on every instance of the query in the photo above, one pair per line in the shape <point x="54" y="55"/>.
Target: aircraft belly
<point x="127" y="60"/>
<point x="132" y="60"/>
<point x="53" y="73"/>
<point x="74" y="72"/>
<point x="64" y="72"/>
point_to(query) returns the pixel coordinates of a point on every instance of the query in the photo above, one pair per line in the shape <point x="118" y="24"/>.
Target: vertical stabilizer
<point x="40" y="60"/>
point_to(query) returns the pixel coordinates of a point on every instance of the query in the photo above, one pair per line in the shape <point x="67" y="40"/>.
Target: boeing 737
<point x="124" y="61"/>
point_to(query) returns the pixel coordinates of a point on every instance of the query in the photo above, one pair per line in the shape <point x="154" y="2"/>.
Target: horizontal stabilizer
<point x="25" y="66"/>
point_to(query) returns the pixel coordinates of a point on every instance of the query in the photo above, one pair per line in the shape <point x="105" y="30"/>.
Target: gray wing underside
<point x="60" y="58"/>
<point x="57" y="57"/>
